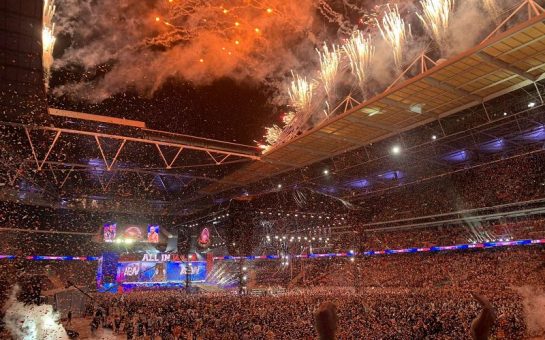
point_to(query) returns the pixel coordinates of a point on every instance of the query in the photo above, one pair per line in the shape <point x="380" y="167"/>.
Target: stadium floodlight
<point x="396" y="149"/>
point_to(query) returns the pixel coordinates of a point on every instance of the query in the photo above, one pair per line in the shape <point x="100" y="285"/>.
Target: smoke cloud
<point x="28" y="322"/>
<point x="138" y="45"/>
<point x="533" y="301"/>
<point x="134" y="45"/>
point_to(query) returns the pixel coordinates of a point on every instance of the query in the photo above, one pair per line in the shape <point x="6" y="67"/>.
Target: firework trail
<point x="301" y="92"/>
<point x="360" y="52"/>
<point x="395" y="32"/>
<point x="345" y="27"/>
<point x="330" y="63"/>
<point x="48" y="38"/>
<point x="436" y="17"/>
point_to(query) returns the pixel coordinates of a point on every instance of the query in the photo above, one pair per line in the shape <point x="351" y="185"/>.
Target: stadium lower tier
<point x="374" y="314"/>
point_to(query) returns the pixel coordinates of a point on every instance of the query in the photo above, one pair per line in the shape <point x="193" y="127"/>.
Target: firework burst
<point x="395" y="32"/>
<point x="330" y="62"/>
<point x="48" y="37"/>
<point x="360" y="52"/>
<point x="301" y="92"/>
<point x="272" y="134"/>
<point x="436" y="18"/>
<point x="288" y="117"/>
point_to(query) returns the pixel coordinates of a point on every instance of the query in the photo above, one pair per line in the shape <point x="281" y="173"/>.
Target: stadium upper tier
<point x="499" y="65"/>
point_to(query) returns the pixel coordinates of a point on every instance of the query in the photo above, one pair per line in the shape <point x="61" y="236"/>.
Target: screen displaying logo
<point x="160" y="271"/>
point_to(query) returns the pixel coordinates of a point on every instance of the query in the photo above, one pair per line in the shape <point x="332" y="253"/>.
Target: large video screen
<point x="160" y="271"/>
<point x="117" y="232"/>
<point x="153" y="233"/>
<point x="110" y="232"/>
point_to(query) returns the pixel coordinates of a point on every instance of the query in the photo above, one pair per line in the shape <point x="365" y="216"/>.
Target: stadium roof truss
<point x="503" y="63"/>
<point x="218" y="156"/>
<point x="49" y="157"/>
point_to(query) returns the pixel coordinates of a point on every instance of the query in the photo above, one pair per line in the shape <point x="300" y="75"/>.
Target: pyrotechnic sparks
<point x="48" y="38"/>
<point x="493" y="8"/>
<point x="330" y="62"/>
<point x="436" y="17"/>
<point x="395" y="32"/>
<point x="360" y="52"/>
<point x="272" y="134"/>
<point x="162" y="40"/>
<point x="288" y="117"/>
<point x="301" y="92"/>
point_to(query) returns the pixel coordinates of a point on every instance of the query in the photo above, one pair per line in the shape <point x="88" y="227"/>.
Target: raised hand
<point x="482" y="324"/>
<point x="326" y="321"/>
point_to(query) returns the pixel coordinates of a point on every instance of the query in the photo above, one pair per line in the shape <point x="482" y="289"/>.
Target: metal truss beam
<point x="218" y="160"/>
<point x="397" y="104"/>
<point x="222" y="153"/>
<point x="533" y="9"/>
<point x="371" y="124"/>
<point x="111" y="164"/>
<point x="422" y="61"/>
<point x="502" y="64"/>
<point x="316" y="152"/>
<point x="59" y="166"/>
<point x="450" y="88"/>
<point x="105" y="184"/>
<point x="339" y="138"/>
<point x="40" y="163"/>
<point x="167" y="163"/>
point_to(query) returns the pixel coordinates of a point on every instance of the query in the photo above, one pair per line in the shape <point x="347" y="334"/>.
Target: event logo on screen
<point x="189" y="270"/>
<point x="160" y="271"/>
<point x="132" y="270"/>
<point x="110" y="230"/>
<point x="153" y="233"/>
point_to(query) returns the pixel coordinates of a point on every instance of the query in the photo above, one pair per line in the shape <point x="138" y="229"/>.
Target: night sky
<point x="225" y="110"/>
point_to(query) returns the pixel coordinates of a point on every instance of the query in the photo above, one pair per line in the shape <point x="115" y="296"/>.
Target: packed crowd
<point x="455" y="233"/>
<point x="393" y="297"/>
<point x="386" y="314"/>
<point x="489" y="185"/>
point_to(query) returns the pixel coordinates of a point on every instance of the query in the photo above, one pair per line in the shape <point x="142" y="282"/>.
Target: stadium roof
<point x="501" y="64"/>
